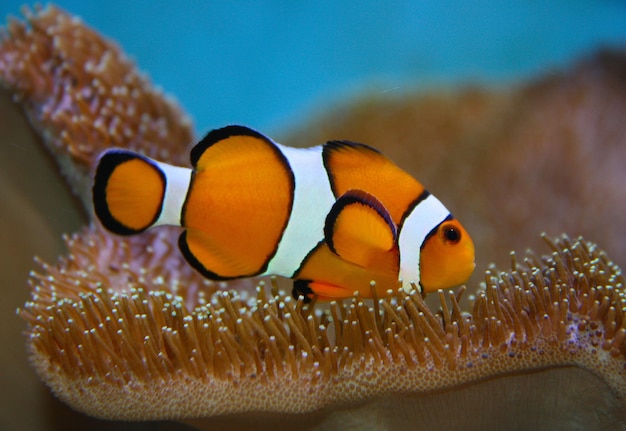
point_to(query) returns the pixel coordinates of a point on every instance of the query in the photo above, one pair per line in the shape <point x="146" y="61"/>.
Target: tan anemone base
<point x="360" y="389"/>
<point x="552" y="399"/>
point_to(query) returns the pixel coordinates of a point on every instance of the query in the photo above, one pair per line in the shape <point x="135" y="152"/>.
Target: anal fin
<point x="323" y="291"/>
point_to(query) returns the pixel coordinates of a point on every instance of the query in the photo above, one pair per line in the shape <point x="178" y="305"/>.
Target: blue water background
<point x="272" y="64"/>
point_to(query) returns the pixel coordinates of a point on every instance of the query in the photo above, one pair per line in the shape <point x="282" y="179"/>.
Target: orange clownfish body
<point x="333" y="217"/>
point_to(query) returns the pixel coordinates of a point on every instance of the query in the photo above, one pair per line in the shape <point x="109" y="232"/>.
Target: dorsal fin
<point x="358" y="228"/>
<point x="354" y="166"/>
<point x="217" y="135"/>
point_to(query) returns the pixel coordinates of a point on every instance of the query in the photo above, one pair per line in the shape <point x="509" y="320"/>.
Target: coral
<point x="82" y="94"/>
<point x="38" y="70"/>
<point x="36" y="207"/>
<point x="545" y="155"/>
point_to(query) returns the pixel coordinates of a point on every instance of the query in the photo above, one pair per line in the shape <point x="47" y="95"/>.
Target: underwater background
<point x="270" y="64"/>
<point x="283" y="67"/>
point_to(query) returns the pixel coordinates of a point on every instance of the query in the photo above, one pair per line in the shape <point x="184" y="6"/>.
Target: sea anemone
<point x="122" y="328"/>
<point x="118" y="331"/>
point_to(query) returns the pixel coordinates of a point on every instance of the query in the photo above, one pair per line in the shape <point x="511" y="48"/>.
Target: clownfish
<point x="334" y="217"/>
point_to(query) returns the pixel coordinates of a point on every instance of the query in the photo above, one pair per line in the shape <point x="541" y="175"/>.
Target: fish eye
<point x="451" y="235"/>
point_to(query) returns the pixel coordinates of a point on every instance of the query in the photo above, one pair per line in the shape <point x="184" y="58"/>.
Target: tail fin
<point x="128" y="191"/>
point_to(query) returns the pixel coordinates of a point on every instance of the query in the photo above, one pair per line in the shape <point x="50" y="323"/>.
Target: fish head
<point x="446" y="257"/>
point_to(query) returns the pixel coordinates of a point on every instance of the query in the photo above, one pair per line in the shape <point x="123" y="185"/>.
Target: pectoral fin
<point x="359" y="228"/>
